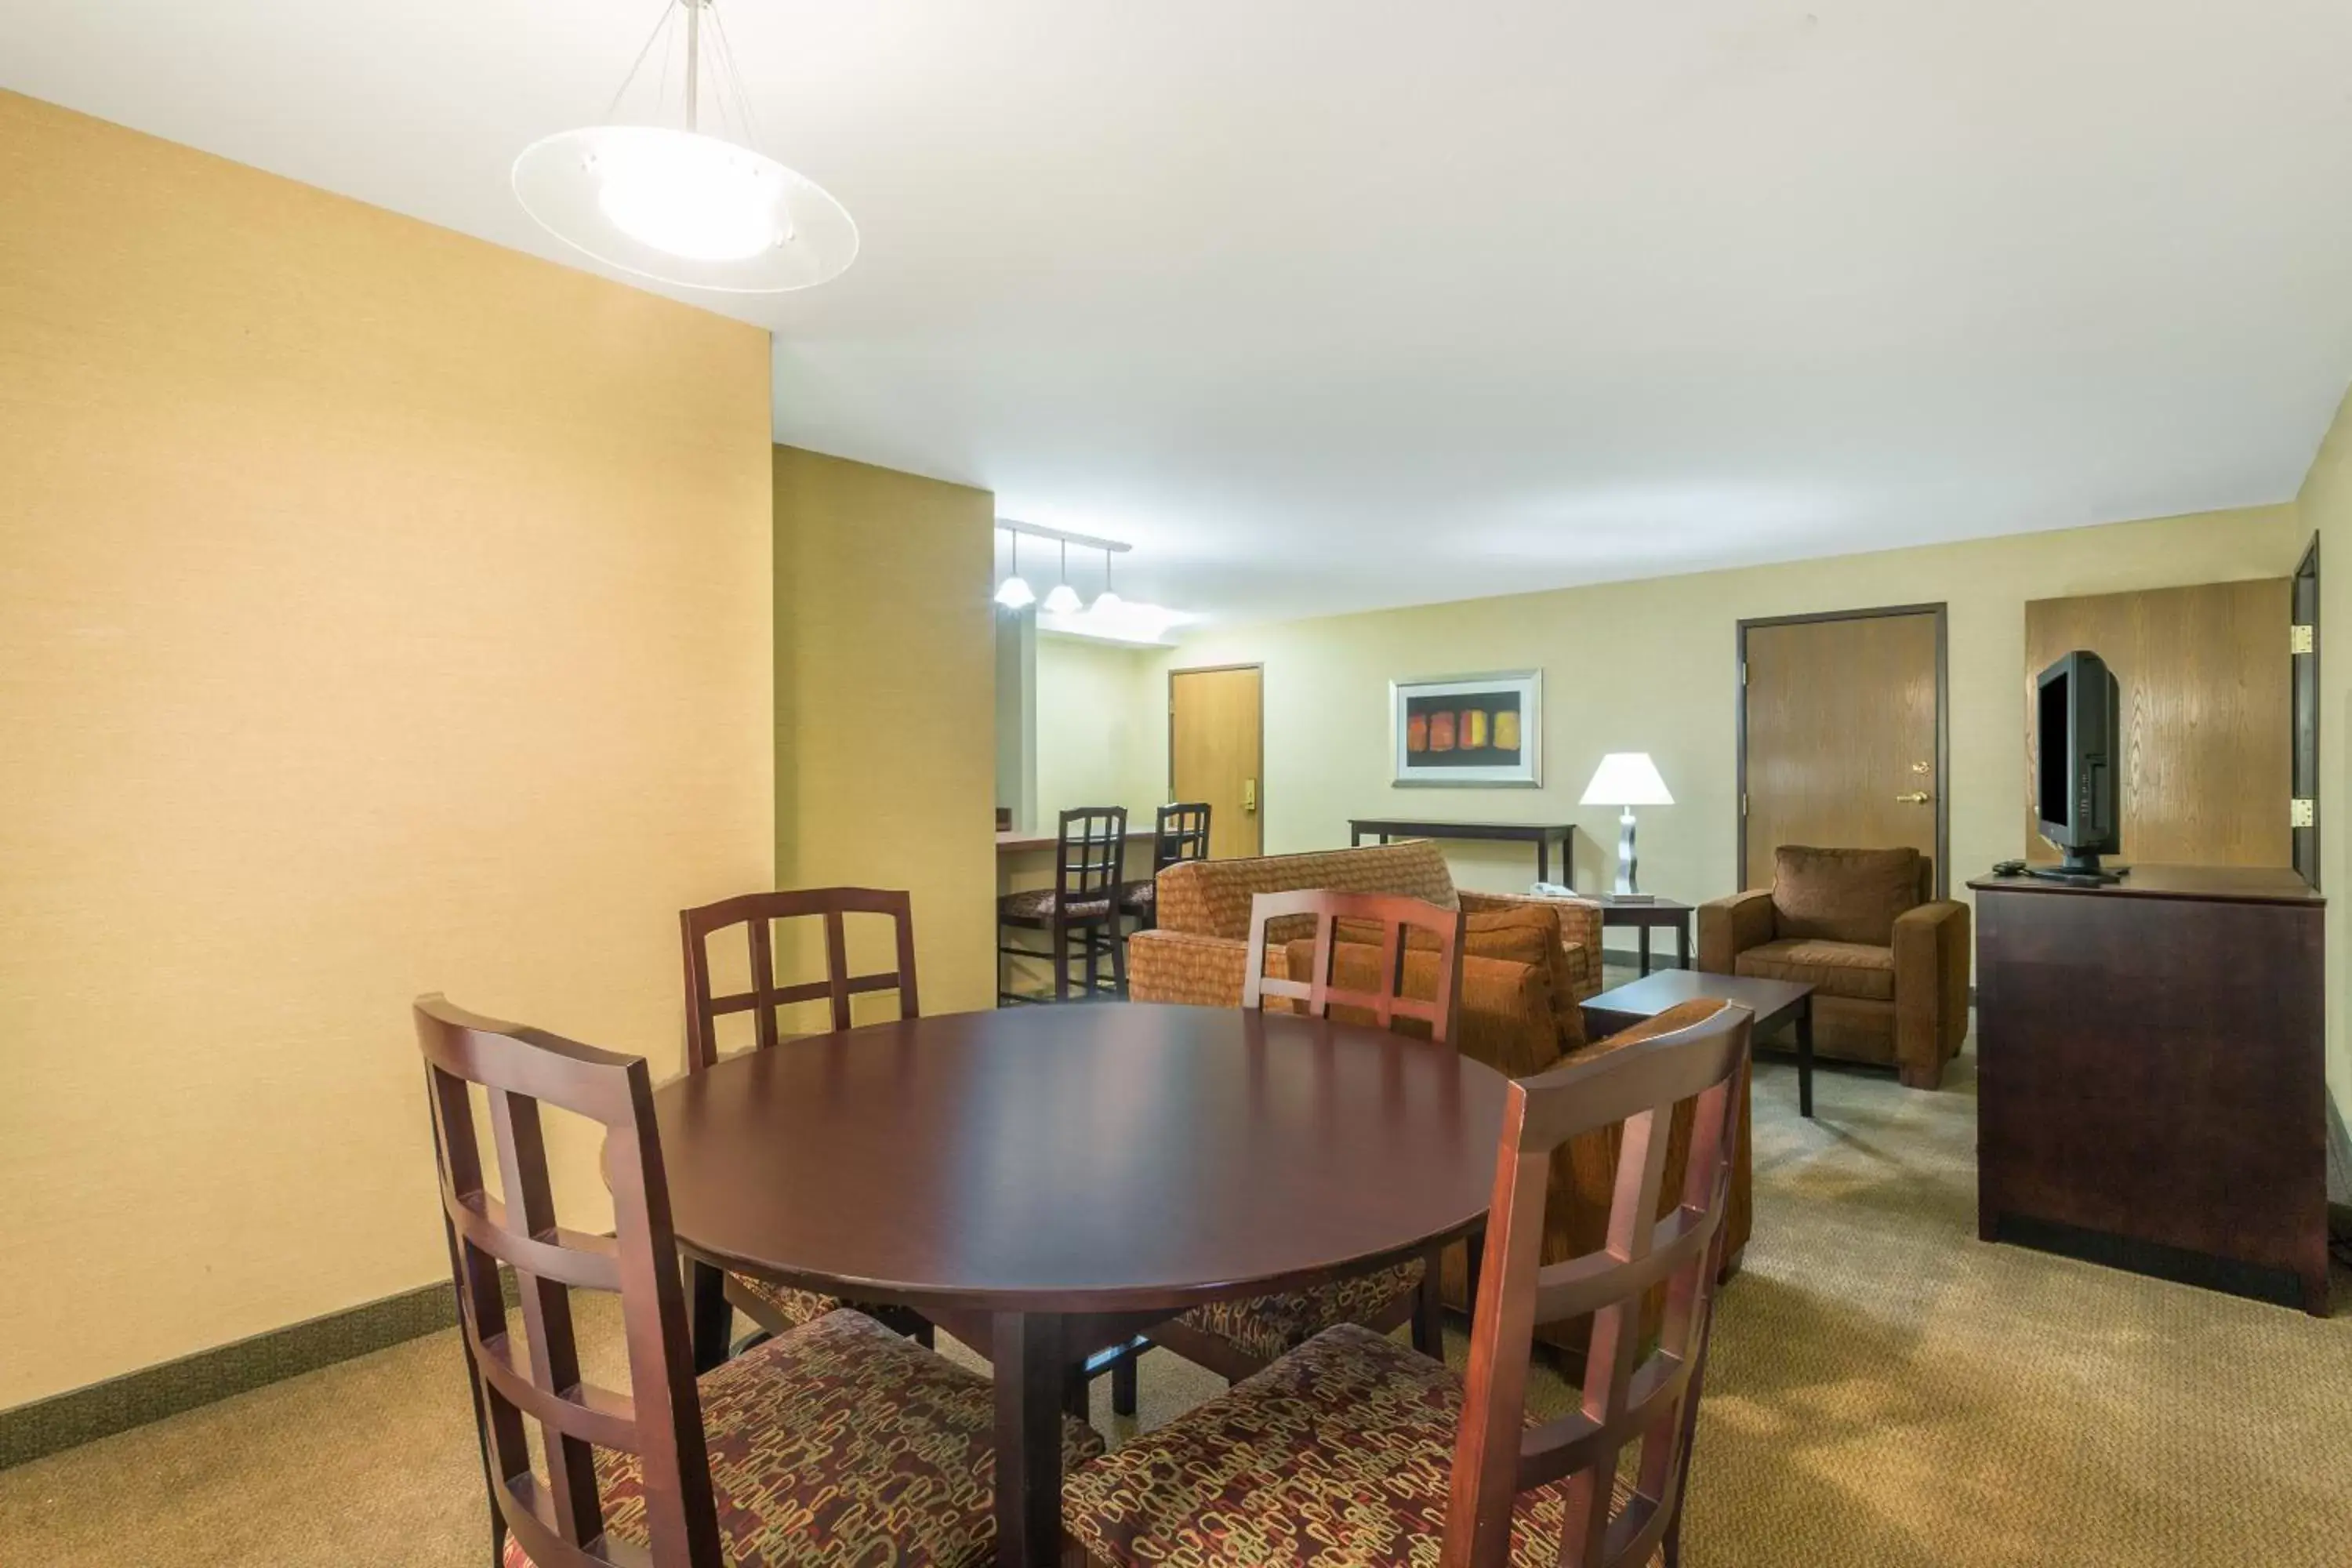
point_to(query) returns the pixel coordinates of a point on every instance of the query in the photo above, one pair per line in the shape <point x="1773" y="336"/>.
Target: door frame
<point x="1943" y="722"/>
<point x="1216" y="669"/>
<point x="2304" y="702"/>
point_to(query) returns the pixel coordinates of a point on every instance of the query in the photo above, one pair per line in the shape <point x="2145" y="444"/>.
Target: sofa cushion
<point x="1853" y="969"/>
<point x="1211" y="897"/>
<point x="1843" y="895"/>
<point x="1506" y="1007"/>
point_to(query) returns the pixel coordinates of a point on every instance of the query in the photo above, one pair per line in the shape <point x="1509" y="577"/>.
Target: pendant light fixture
<point x="1063" y="600"/>
<point x="1014" y="593"/>
<point x="678" y="204"/>
<point x="1106" y="603"/>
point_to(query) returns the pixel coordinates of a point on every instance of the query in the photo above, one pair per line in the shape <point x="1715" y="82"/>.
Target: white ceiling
<point x="1337" y="303"/>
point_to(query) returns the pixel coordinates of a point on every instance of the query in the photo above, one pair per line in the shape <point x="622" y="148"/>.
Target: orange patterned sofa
<point x="1529" y="964"/>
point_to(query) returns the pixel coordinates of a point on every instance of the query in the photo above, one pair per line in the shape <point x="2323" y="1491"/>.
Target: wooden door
<point x="2206" y="683"/>
<point x="1216" y="753"/>
<point x="1841" y="735"/>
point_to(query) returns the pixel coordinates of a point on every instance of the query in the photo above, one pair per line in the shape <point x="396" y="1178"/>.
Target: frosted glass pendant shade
<point x="1063" y="601"/>
<point x="682" y="207"/>
<point x="1014" y="594"/>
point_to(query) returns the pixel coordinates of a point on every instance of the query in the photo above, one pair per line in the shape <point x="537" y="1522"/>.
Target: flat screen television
<point x="2076" y="753"/>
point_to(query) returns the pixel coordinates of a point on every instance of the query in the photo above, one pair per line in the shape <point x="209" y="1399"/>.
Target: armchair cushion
<point x="1508" y="1020"/>
<point x="1578" y="974"/>
<point x="1843" y="895"/>
<point x="1832" y="968"/>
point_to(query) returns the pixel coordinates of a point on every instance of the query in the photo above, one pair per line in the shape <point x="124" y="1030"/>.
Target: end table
<point x="1646" y="914"/>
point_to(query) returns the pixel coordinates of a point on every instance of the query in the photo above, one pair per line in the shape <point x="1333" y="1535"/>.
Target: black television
<point x="2076" y="729"/>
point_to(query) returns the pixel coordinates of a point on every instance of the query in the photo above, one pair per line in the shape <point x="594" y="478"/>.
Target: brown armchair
<point x="1887" y="959"/>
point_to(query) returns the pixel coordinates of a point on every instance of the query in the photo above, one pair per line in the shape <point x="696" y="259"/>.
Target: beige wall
<point x="380" y="612"/>
<point x="886" y="732"/>
<point x="1098" y="728"/>
<point x="2325" y="505"/>
<point x="1649" y="666"/>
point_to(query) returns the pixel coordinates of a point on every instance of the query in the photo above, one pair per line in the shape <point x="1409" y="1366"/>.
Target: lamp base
<point x="1628" y="864"/>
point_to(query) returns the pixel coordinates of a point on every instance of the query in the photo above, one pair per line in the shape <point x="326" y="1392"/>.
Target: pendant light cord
<point x="730" y="95"/>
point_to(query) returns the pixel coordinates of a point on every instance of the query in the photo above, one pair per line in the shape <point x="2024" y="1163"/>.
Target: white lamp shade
<point x="1627" y="778"/>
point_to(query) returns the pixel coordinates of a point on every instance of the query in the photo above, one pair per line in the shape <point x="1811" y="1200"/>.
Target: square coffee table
<point x="1774" y="1003"/>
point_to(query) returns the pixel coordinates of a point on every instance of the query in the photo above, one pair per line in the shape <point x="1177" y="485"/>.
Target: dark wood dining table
<point x="1047" y="1181"/>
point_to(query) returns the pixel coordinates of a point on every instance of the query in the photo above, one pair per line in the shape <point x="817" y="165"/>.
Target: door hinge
<point x="1743" y="672"/>
<point x="2301" y="639"/>
<point x="1743" y="802"/>
<point x="2301" y="813"/>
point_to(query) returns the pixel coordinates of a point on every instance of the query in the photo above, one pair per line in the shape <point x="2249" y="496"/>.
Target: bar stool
<point x="1089" y="872"/>
<point x="1180" y="834"/>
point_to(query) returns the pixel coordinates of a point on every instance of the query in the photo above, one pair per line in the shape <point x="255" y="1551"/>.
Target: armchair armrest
<point x="1580" y="935"/>
<point x="1182" y="966"/>
<point x="1931" y="989"/>
<point x="1729" y="927"/>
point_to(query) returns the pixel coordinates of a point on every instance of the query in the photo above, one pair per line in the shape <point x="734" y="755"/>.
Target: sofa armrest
<point x="1579" y="934"/>
<point x="1180" y="966"/>
<point x="1931" y="989"/>
<point x="1729" y="927"/>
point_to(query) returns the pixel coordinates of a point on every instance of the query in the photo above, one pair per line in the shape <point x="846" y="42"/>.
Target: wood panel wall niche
<point x="2207" y="716"/>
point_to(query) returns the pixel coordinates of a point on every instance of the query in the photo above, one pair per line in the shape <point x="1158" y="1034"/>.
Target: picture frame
<point x="1459" y="732"/>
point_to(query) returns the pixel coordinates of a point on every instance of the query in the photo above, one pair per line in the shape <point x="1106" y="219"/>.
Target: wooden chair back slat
<point x="1629" y="1398"/>
<point x="558" y="1516"/>
<point x="1090" y="854"/>
<point x="1179" y="833"/>
<point x="758" y="914"/>
<point x="1395" y="914"/>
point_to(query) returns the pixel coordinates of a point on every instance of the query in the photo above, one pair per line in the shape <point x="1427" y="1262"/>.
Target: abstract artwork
<point x="1468" y="729"/>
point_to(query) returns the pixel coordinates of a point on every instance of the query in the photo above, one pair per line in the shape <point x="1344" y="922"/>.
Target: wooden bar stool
<point x="1181" y="834"/>
<point x="1089" y="872"/>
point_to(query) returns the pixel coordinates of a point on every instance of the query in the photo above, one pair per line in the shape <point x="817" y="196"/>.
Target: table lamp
<point x="1626" y="779"/>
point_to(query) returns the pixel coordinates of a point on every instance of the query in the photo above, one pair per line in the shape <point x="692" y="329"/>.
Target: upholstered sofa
<point x="1529" y="964"/>
<point x="1887" y="959"/>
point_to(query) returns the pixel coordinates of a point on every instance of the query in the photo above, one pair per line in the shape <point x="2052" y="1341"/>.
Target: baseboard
<point x="81" y="1416"/>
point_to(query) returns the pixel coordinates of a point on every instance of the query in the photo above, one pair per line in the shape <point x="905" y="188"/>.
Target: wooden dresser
<point x="2151" y="1070"/>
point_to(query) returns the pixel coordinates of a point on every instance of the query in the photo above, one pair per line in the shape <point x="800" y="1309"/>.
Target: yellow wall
<point x="380" y="612"/>
<point x="886" y="737"/>
<point x="2325" y="505"/>
<point x="1649" y="666"/>
<point x="1095" y="721"/>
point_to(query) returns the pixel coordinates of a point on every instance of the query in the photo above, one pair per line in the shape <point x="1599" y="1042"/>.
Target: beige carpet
<point x="1885" y="1392"/>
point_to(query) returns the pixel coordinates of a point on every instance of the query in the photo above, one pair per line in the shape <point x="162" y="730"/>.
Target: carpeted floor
<point x="1885" y="1392"/>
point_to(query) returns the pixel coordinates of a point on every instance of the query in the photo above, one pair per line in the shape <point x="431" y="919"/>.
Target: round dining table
<point x="1047" y="1181"/>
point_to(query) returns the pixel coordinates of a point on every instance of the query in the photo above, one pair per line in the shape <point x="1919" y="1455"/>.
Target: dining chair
<point x="838" y="1436"/>
<point x="1354" y="1449"/>
<point x="1371" y="974"/>
<point x="1090" y="878"/>
<point x="1178" y="833"/>
<point x="776" y="1308"/>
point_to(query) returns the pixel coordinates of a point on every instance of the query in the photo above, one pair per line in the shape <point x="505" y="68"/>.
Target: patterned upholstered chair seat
<point x="1265" y="1328"/>
<point x="778" y="1308"/>
<point x="1038" y="904"/>
<point x="1140" y="898"/>
<point x="840" y="1443"/>
<point x="1337" y="1456"/>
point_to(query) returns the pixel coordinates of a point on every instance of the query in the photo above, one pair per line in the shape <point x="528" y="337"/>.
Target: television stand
<point x="2080" y="869"/>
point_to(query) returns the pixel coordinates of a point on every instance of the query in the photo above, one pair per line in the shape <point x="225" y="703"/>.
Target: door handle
<point x="1916" y="797"/>
<point x="1249" y="796"/>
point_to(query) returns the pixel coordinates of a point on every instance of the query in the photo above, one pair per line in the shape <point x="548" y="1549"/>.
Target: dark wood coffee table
<point x="1774" y="1003"/>
<point x="1047" y="1181"/>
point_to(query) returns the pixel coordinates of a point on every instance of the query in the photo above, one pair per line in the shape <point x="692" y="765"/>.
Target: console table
<point x="2151" y="1085"/>
<point x="1543" y="835"/>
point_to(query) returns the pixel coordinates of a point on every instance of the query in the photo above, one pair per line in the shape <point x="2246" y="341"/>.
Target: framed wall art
<point x="1485" y="729"/>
